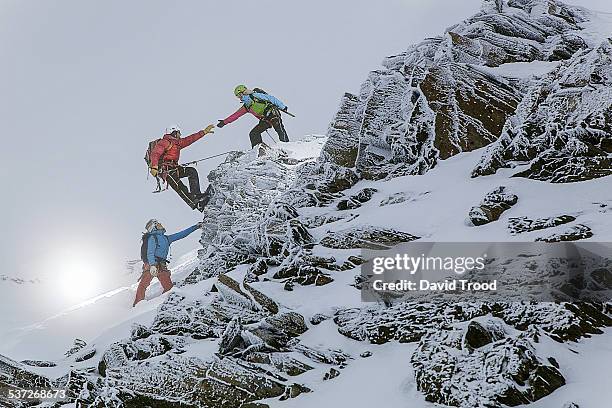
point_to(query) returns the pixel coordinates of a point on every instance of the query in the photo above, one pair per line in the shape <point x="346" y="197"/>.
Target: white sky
<point x="86" y="84"/>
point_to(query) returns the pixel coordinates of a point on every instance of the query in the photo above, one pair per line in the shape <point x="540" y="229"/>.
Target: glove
<point x="209" y="129"/>
<point x="220" y="124"/>
<point x="200" y="225"/>
<point x="153" y="271"/>
<point x="154" y="171"/>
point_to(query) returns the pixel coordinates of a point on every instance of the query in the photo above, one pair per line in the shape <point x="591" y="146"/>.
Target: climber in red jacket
<point x="164" y="162"/>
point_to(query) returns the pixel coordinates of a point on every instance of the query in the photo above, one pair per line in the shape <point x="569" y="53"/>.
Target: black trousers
<point x="192" y="195"/>
<point x="272" y="120"/>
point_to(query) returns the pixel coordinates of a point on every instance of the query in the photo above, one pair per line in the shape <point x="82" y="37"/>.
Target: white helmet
<point x="152" y="225"/>
<point x="173" y="128"/>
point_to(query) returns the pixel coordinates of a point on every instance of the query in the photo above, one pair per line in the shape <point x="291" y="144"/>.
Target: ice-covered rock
<point x="574" y="233"/>
<point x="436" y="99"/>
<point x="16" y="375"/>
<point x="366" y="237"/>
<point x="524" y="224"/>
<point x="492" y="206"/>
<point x="498" y="367"/>
<point x="563" y="125"/>
<point x="245" y="221"/>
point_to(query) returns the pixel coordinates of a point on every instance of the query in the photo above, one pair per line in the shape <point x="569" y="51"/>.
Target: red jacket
<point x="170" y="147"/>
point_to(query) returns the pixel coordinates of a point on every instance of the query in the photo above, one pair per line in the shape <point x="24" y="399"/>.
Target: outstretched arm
<point x="235" y="115"/>
<point x="186" y="141"/>
<point x="182" y="234"/>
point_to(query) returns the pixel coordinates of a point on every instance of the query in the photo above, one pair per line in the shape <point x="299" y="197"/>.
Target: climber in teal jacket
<point x="158" y="244"/>
<point x="153" y="252"/>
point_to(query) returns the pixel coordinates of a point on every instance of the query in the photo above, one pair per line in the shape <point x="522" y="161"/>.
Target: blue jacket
<point x="159" y="252"/>
<point x="247" y="100"/>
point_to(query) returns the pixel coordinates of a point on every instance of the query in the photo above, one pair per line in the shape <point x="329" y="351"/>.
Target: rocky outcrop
<point x="434" y="100"/>
<point x="563" y="125"/>
<point x="17" y="376"/>
<point x="408" y="322"/>
<point x="523" y="224"/>
<point x="482" y="364"/>
<point x="256" y="350"/>
<point x="401" y="197"/>
<point x="356" y="200"/>
<point x="575" y="233"/>
<point x="492" y="206"/>
<point x="366" y="238"/>
<point x="245" y="220"/>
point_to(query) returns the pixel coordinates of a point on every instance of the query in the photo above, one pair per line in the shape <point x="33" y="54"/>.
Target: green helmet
<point x="240" y="89"/>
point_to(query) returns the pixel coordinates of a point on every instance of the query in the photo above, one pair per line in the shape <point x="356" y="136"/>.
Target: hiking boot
<point x="200" y="205"/>
<point x="202" y="199"/>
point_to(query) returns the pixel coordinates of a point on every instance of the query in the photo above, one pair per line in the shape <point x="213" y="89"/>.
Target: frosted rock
<point x="575" y="233"/>
<point x="524" y="224"/>
<point x="492" y="206"/>
<point x="366" y="237"/>
<point x="563" y="126"/>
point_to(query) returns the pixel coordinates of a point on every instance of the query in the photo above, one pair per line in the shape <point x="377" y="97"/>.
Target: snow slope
<point x="436" y="208"/>
<point x="270" y="311"/>
<point x="111" y="312"/>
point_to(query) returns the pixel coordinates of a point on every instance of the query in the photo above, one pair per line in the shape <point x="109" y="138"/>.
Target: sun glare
<point x="77" y="277"/>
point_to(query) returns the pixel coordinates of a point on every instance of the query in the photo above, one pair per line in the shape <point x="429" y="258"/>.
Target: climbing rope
<point x="206" y="158"/>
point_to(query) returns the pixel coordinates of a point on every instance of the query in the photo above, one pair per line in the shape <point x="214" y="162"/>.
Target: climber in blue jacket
<point x="153" y="252"/>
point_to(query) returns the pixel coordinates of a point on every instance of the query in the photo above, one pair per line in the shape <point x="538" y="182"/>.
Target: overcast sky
<point x="86" y="85"/>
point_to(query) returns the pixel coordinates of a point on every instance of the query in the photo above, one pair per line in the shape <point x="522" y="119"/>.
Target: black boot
<point x="203" y="199"/>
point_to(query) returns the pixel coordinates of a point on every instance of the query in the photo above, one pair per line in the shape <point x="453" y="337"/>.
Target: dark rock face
<point x="477" y="336"/>
<point x="318" y="318"/>
<point x="256" y="353"/>
<point x="563" y="143"/>
<point x="433" y="101"/>
<point x="366" y="237"/>
<point x="332" y="373"/>
<point x="231" y="337"/>
<point x="304" y="275"/>
<point x="492" y="206"/>
<point x="507" y="371"/>
<point x="76" y="347"/>
<point x="319" y="220"/>
<point x="16" y="375"/>
<point x="139" y="332"/>
<point x="574" y="233"/>
<point x="408" y="322"/>
<point x="39" y="363"/>
<point x="524" y="224"/>
<point x="355" y="201"/>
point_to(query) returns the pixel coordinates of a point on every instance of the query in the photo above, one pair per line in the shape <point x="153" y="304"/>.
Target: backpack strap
<point x="166" y="150"/>
<point x="164" y="167"/>
<point x="157" y="258"/>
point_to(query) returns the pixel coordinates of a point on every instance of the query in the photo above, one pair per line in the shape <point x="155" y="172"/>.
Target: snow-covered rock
<point x="438" y="99"/>
<point x="492" y="206"/>
<point x="483" y="363"/>
<point x="563" y="125"/>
